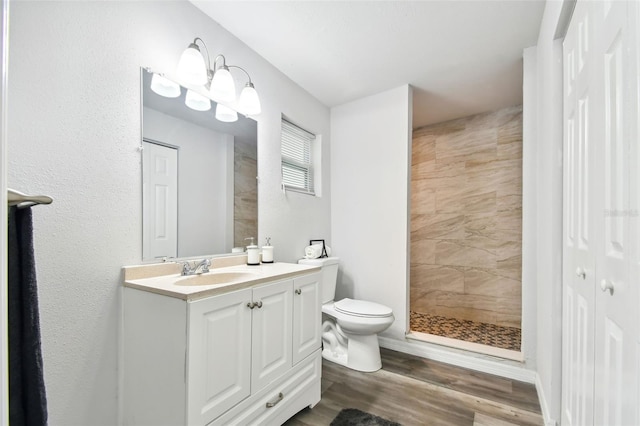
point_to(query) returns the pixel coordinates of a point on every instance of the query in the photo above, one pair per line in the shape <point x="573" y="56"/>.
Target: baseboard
<point x="544" y="407"/>
<point x="484" y="363"/>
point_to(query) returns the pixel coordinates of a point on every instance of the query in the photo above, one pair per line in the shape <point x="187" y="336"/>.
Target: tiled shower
<point x="466" y="229"/>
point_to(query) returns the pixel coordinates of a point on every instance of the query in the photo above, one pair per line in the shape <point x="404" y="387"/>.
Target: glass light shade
<point x="226" y="114"/>
<point x="195" y="100"/>
<point x="164" y="87"/>
<point x="223" y="88"/>
<point x="191" y="68"/>
<point x="249" y="103"/>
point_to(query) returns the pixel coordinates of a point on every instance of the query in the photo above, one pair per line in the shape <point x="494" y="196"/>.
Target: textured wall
<point x="466" y="218"/>
<point x="371" y="138"/>
<point x="73" y="134"/>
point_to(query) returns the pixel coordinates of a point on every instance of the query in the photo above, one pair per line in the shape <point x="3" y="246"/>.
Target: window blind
<point x="297" y="165"/>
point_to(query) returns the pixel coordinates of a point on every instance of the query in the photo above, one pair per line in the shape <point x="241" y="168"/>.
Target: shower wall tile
<point x="466" y="218"/>
<point x="483" y="281"/>
<point x="424" y="199"/>
<point x="423" y="252"/>
<point x="444" y="226"/>
<point x="482" y="308"/>
<point x="461" y="254"/>
<point x="446" y="278"/>
<point x="509" y="202"/>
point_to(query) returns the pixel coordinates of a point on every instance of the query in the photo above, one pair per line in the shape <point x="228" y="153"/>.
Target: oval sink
<point x="213" y="278"/>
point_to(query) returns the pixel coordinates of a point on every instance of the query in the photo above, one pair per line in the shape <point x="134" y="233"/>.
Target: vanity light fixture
<point x="192" y="67"/>
<point x="196" y="101"/>
<point x="223" y="88"/>
<point x="226" y="114"/>
<point x="164" y="87"/>
<point x="249" y="103"/>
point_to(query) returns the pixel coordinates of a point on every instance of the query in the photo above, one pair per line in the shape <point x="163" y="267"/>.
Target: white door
<point x="600" y="342"/>
<point x="307" y="316"/>
<point x="579" y="247"/>
<point x="634" y="190"/>
<point x="159" y="201"/>
<point x="219" y="355"/>
<point x="271" y="332"/>
<point x="616" y="294"/>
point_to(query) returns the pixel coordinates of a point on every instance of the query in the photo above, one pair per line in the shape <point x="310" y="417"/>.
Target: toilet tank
<point x="329" y="273"/>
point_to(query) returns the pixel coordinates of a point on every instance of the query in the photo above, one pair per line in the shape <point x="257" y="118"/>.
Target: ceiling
<point x="461" y="57"/>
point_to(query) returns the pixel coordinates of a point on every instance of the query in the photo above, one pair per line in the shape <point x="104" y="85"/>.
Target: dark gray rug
<point x="354" y="417"/>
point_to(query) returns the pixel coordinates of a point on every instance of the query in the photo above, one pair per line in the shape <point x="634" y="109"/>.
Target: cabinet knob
<point x="251" y="305"/>
<point x="581" y="273"/>
<point x="259" y="304"/>
<point x="298" y="291"/>
<point x="607" y="285"/>
<point x="274" y="403"/>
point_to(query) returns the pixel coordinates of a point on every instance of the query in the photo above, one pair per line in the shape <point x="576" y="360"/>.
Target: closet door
<point x="634" y="190"/>
<point x="601" y="241"/>
<point x="616" y="294"/>
<point x="579" y="219"/>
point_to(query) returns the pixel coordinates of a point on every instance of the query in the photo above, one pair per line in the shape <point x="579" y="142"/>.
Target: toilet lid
<point x="362" y="308"/>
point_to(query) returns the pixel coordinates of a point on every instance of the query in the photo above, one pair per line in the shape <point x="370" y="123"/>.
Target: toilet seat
<point x="362" y="308"/>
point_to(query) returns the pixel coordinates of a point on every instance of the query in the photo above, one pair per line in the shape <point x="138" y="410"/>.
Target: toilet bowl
<point x="350" y="327"/>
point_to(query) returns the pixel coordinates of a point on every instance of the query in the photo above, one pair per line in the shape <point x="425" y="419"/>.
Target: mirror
<point x="200" y="192"/>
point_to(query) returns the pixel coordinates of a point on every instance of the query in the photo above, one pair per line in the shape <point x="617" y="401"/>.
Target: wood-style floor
<point x="416" y="391"/>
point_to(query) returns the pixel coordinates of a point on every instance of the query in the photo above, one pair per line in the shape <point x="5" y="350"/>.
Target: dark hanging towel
<point x="27" y="397"/>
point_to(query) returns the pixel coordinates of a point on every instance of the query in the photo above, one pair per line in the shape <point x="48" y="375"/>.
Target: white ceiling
<point x="461" y="57"/>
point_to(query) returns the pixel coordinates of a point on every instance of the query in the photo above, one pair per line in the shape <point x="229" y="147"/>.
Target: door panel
<point x="615" y="297"/>
<point x="219" y="355"/>
<point x="159" y="201"/>
<point x="271" y="333"/>
<point x="601" y="190"/>
<point x="579" y="250"/>
<point x="307" y="316"/>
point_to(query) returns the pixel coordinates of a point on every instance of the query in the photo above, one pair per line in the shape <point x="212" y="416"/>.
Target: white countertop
<point x="252" y="275"/>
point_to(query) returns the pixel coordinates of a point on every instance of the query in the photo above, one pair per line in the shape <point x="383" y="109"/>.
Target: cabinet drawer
<point x="268" y="403"/>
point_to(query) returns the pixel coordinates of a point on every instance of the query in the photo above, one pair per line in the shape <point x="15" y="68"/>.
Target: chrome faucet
<point x="203" y="266"/>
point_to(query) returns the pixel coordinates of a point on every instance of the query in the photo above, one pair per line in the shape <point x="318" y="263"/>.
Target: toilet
<point x="350" y="327"/>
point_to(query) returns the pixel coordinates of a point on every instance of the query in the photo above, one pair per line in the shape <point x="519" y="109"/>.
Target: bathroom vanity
<point x="237" y="345"/>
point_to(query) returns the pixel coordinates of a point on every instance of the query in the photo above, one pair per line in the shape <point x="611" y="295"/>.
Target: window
<point x="297" y="164"/>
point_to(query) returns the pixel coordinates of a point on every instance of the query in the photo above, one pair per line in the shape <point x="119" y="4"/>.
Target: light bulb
<point x="191" y="68"/>
<point x="249" y="103"/>
<point x="164" y="87"/>
<point x="226" y="114"/>
<point x="196" y="101"/>
<point x="223" y="88"/>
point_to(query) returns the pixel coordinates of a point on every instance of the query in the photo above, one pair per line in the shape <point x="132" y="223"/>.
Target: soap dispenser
<point x="253" y="254"/>
<point x="267" y="252"/>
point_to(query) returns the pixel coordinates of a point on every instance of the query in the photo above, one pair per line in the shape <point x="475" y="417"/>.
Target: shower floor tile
<point x="469" y="331"/>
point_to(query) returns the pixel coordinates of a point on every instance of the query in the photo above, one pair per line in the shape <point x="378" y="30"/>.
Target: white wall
<point x="73" y="134"/>
<point x="370" y="157"/>
<point x="205" y="180"/>
<point x="548" y="216"/>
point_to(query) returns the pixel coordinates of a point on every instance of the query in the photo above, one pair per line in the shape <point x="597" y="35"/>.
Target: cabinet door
<point x="307" y="316"/>
<point x="579" y="222"/>
<point x="615" y="320"/>
<point x="219" y="355"/>
<point x="271" y="333"/>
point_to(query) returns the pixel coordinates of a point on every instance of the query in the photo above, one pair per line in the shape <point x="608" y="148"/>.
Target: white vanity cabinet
<point x="306" y="328"/>
<point x="218" y="369"/>
<point x="249" y="356"/>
